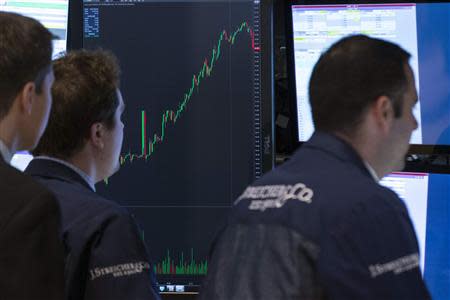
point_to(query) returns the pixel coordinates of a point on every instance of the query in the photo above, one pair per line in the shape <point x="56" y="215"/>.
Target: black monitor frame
<point x="428" y="149"/>
<point x="267" y="86"/>
<point x="75" y="26"/>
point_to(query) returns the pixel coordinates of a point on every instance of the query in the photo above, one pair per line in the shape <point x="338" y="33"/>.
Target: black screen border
<point x="75" y="26"/>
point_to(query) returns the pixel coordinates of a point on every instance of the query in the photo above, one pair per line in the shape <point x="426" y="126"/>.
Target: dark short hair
<point x="84" y="93"/>
<point x="25" y="56"/>
<point x="350" y="76"/>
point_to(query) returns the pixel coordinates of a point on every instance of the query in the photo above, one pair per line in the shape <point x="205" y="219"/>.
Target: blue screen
<point x="427" y="197"/>
<point x="437" y="255"/>
<point x="433" y="32"/>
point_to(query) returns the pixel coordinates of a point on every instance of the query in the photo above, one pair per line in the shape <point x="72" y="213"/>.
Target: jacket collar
<point x="55" y="170"/>
<point x="338" y="148"/>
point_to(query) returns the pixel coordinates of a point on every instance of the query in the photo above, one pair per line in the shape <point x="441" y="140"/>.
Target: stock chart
<point x="192" y="140"/>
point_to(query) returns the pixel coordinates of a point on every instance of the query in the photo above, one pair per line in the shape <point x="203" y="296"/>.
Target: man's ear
<point x="26" y="98"/>
<point x="383" y="112"/>
<point x="97" y="135"/>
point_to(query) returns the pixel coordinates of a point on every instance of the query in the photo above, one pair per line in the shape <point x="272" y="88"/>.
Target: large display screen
<point x="192" y="74"/>
<point x="420" y="28"/>
<point x="54" y="15"/>
<point x="427" y="198"/>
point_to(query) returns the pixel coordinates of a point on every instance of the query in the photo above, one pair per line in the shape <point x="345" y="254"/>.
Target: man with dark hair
<point x="320" y="226"/>
<point x="105" y="254"/>
<point x="31" y="253"/>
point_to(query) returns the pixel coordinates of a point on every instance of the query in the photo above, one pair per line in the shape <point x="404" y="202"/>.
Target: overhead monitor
<point x="54" y="15"/>
<point x="427" y="197"/>
<point x="422" y="28"/>
<point x="196" y="82"/>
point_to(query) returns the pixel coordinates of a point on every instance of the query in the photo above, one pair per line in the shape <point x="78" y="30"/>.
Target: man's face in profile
<point x="403" y="126"/>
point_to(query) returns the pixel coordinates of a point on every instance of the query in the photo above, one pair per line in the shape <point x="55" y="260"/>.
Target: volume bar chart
<point x="169" y="267"/>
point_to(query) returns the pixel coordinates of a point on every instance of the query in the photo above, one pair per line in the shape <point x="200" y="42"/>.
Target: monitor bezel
<point x="75" y="26"/>
<point x="414" y="148"/>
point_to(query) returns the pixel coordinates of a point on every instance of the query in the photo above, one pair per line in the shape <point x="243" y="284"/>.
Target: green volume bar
<point x="169" y="267"/>
<point x="144" y="121"/>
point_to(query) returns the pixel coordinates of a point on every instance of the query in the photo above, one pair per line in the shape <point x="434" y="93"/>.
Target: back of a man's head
<point x="84" y="93"/>
<point x="350" y="76"/>
<point x="25" y="56"/>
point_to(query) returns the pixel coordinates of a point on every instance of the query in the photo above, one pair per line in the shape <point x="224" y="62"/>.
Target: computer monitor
<point x="427" y="197"/>
<point x="197" y="85"/>
<point x="422" y="28"/>
<point x="54" y="15"/>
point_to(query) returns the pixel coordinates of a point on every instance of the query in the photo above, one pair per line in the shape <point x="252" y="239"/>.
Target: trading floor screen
<point x="420" y="28"/>
<point x="192" y="139"/>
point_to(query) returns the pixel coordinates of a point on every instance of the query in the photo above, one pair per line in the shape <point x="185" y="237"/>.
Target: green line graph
<point x="149" y="144"/>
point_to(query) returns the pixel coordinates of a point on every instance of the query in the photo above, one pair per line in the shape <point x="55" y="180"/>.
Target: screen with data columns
<point x="191" y="82"/>
<point x="420" y="28"/>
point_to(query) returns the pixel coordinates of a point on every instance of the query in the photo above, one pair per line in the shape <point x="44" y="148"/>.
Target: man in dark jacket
<point x="320" y="226"/>
<point x="106" y="256"/>
<point x="31" y="254"/>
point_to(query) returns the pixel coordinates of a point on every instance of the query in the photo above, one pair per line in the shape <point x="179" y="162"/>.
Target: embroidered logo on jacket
<point x="275" y="196"/>
<point x="396" y="266"/>
<point x="120" y="270"/>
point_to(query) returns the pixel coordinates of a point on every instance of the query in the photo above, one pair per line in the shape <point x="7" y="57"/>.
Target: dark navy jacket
<point x="105" y="255"/>
<point x="31" y="253"/>
<point x="317" y="227"/>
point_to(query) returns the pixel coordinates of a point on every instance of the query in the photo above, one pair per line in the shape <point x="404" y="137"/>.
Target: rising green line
<point x="173" y="115"/>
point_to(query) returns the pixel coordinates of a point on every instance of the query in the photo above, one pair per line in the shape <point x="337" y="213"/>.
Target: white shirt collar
<point x="83" y="175"/>
<point x="371" y="171"/>
<point x="5" y="152"/>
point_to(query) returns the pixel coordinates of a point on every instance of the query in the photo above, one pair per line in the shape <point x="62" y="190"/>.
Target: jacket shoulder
<point x="21" y="194"/>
